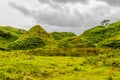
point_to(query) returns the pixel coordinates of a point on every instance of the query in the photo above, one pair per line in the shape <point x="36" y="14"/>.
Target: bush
<point x="28" y="43"/>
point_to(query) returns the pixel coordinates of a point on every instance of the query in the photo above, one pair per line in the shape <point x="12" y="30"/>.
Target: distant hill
<point x="102" y="36"/>
<point x="75" y="42"/>
<point x="99" y="36"/>
<point x="36" y="37"/>
<point x="62" y="35"/>
<point x="9" y="34"/>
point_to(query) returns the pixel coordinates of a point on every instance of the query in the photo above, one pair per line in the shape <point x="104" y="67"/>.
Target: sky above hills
<point x="58" y="15"/>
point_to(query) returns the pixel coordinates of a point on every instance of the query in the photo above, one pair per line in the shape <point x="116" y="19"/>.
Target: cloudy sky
<point x="58" y="15"/>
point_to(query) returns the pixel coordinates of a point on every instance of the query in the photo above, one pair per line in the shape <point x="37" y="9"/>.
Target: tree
<point x="105" y="22"/>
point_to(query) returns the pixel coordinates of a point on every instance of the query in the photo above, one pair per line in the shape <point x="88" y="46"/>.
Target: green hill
<point x="9" y="34"/>
<point x="102" y="36"/>
<point x="99" y="36"/>
<point x="113" y="40"/>
<point x="36" y="37"/>
<point x="62" y="35"/>
<point x="75" y="42"/>
<point x="102" y="33"/>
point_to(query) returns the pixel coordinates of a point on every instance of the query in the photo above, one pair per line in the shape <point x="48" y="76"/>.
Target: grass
<point x="16" y="65"/>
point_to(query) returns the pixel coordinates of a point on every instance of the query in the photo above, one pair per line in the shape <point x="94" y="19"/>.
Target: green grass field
<point x="16" y="65"/>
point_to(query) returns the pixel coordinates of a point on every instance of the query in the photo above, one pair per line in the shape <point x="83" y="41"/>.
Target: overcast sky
<point x="58" y="15"/>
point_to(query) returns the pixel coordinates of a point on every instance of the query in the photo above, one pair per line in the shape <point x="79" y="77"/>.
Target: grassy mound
<point x="28" y="43"/>
<point x="101" y="35"/>
<point x="95" y="34"/>
<point x="75" y="42"/>
<point x="113" y="39"/>
<point x="36" y="37"/>
<point x="62" y="35"/>
<point x="9" y="34"/>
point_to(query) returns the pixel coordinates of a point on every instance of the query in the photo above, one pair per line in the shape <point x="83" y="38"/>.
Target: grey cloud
<point x="64" y="1"/>
<point x="102" y="11"/>
<point x="59" y="18"/>
<point x="71" y="1"/>
<point x="44" y="1"/>
<point x="22" y="8"/>
<point x="58" y="14"/>
<point x="112" y="2"/>
<point x="57" y="4"/>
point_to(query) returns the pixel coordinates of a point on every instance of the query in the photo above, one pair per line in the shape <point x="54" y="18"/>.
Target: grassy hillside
<point x="9" y="34"/>
<point x="36" y="37"/>
<point x="62" y="35"/>
<point x="76" y="42"/>
<point x="99" y="36"/>
<point x="114" y="36"/>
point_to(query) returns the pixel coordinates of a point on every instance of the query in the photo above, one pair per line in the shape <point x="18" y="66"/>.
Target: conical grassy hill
<point x="36" y="37"/>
